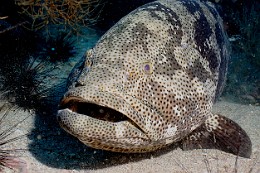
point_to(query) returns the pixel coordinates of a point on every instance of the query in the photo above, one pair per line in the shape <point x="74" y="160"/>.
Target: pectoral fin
<point x="220" y="133"/>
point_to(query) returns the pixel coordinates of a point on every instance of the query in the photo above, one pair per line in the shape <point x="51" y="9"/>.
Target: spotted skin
<point x="153" y="78"/>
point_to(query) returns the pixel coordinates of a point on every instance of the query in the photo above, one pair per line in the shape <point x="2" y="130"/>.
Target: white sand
<point x="54" y="151"/>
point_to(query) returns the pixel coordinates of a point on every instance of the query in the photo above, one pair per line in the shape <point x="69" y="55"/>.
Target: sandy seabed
<point x="50" y="150"/>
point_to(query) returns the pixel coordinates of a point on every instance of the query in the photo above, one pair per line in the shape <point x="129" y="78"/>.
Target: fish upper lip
<point x="65" y="102"/>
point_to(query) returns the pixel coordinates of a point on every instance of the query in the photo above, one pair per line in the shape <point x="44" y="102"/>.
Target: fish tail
<point x="220" y="133"/>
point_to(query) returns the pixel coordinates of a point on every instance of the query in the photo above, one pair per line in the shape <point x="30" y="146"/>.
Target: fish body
<point x="151" y="80"/>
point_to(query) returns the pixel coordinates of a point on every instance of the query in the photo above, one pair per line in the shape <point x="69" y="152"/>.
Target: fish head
<point x="113" y="102"/>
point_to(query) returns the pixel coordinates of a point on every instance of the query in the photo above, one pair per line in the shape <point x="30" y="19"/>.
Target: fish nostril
<point x="79" y="84"/>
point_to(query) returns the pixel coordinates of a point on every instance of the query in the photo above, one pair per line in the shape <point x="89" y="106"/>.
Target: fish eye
<point x="147" y="68"/>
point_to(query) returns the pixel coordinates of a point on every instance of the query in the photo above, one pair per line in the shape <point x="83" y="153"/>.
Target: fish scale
<point x="160" y="69"/>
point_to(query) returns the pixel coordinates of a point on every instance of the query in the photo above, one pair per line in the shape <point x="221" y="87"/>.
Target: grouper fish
<point x="151" y="81"/>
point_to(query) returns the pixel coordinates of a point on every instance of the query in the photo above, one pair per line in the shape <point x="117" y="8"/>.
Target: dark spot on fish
<point x="171" y="18"/>
<point x="191" y="6"/>
<point x="140" y="34"/>
<point x="197" y="70"/>
<point x="203" y="32"/>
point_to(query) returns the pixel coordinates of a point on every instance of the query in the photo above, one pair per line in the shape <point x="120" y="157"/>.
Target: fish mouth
<point x="101" y="127"/>
<point x="81" y="106"/>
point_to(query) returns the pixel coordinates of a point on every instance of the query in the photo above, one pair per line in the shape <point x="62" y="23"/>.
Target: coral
<point x="9" y="28"/>
<point x="71" y="13"/>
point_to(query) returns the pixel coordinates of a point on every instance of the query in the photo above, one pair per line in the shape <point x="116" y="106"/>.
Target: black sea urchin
<point x="25" y="82"/>
<point x="59" y="48"/>
<point x="8" y="156"/>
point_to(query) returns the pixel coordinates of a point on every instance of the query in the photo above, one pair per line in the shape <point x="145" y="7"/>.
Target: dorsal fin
<point x="220" y="133"/>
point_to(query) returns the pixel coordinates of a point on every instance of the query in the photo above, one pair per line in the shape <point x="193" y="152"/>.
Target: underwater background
<point x="41" y="41"/>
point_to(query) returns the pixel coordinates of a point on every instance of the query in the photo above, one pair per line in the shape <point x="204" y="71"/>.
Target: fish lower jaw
<point x="119" y="136"/>
<point x="74" y="110"/>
